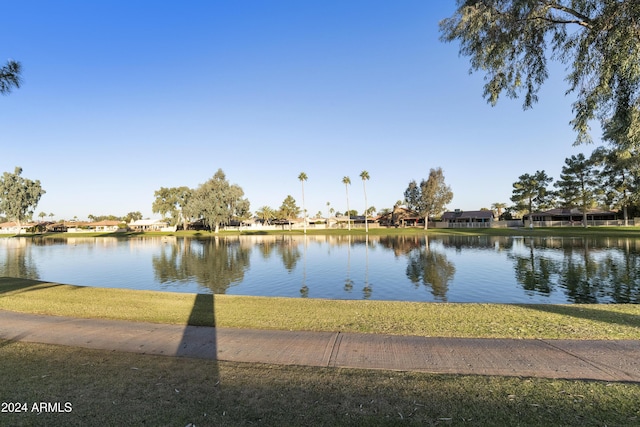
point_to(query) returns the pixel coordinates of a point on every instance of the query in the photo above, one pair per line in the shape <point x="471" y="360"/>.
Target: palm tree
<point x="498" y="207"/>
<point x="365" y="177"/>
<point x="266" y="214"/>
<point x="303" y="177"/>
<point x="347" y="182"/>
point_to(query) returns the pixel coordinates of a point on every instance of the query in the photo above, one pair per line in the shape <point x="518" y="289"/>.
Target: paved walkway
<point x="593" y="360"/>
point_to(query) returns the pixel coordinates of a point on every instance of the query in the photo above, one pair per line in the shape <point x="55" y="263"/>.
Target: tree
<point x="619" y="175"/>
<point x="365" y="177"/>
<point x="431" y="197"/>
<point x="578" y="184"/>
<point x="530" y="191"/>
<point x="19" y="196"/>
<point x="216" y="201"/>
<point x="498" y="207"/>
<point x="303" y="177"/>
<point x="347" y="182"/>
<point x="42" y="215"/>
<point x="10" y="77"/>
<point x="172" y="201"/>
<point x="288" y="210"/>
<point x="132" y="216"/>
<point x="598" y="41"/>
<point x="266" y="214"/>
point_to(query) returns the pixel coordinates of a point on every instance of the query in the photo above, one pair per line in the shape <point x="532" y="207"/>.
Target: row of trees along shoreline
<point x="605" y="180"/>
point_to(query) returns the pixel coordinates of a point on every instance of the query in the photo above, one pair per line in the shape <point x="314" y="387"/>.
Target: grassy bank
<point x="615" y="321"/>
<point x="108" y="388"/>
<point x="631" y="232"/>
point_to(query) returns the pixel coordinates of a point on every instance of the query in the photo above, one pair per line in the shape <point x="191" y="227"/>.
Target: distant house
<point x="149" y="225"/>
<point x="104" y="226"/>
<point x="571" y="215"/>
<point x="400" y="217"/>
<point x="472" y="218"/>
<point x="13" y="228"/>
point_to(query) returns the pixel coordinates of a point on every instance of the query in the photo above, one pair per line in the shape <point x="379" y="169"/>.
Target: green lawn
<point x="606" y="321"/>
<point x="117" y="389"/>
<point x="631" y="232"/>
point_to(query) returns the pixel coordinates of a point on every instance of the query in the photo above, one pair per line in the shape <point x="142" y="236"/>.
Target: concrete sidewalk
<point x="571" y="359"/>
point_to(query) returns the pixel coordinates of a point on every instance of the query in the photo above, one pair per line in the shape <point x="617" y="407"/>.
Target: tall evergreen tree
<point x="530" y="191"/>
<point x="578" y="184"/>
<point x="619" y="177"/>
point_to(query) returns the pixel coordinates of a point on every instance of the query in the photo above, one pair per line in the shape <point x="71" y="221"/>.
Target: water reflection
<point x="586" y="270"/>
<point x="214" y="263"/>
<point x="18" y="260"/>
<point x="429" y="265"/>
<point x="412" y="268"/>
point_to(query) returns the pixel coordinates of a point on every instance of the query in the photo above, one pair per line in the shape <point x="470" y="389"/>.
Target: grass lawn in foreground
<point x="578" y="321"/>
<point x="110" y="388"/>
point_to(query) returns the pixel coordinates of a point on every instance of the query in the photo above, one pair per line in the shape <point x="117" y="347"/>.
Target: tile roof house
<point x="573" y="214"/>
<point x="149" y="225"/>
<point x="459" y="216"/>
<point x="13" y="228"/>
<point x="400" y="216"/>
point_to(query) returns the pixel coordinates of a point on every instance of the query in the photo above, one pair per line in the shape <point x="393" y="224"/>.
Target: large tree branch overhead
<point x="598" y="40"/>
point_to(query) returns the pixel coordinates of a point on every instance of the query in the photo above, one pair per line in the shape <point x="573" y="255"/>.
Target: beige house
<point x="13" y="228"/>
<point x="151" y="225"/>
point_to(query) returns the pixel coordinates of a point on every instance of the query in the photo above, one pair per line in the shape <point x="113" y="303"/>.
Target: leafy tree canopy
<point x="10" y="77"/>
<point x="19" y="196"/>
<point x="430" y="197"/>
<point x="172" y="201"/>
<point x="217" y="202"/>
<point x="599" y="41"/>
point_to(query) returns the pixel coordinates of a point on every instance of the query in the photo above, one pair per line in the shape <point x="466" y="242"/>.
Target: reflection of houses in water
<point x="95" y="241"/>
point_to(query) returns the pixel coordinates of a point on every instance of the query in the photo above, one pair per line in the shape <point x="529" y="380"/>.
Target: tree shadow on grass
<point x="202" y="312"/>
<point x="600" y="315"/>
<point x="18" y="285"/>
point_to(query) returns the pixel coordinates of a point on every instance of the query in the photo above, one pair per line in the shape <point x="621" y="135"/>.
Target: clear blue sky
<point x="121" y="98"/>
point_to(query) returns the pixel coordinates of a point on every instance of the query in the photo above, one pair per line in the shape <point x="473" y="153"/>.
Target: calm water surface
<point x="440" y="269"/>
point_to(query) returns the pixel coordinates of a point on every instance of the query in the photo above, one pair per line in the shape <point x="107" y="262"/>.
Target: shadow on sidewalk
<point x="199" y="336"/>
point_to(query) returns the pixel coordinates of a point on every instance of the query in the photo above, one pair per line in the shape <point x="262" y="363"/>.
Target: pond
<point x="400" y="268"/>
